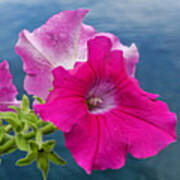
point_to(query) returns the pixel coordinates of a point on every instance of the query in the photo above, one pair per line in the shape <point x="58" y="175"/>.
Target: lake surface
<point x="155" y="28"/>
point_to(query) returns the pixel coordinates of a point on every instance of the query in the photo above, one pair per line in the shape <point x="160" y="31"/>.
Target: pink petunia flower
<point x="62" y="40"/>
<point x="8" y="91"/>
<point x="103" y="112"/>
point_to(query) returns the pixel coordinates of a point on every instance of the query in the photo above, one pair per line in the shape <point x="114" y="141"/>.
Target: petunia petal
<point x="82" y="141"/>
<point x="8" y="91"/>
<point x="87" y="32"/>
<point x="99" y="49"/>
<point x="144" y="138"/>
<point x="61" y="41"/>
<point x="61" y="110"/>
<point x="100" y="145"/>
<point x="131" y="53"/>
<point x="151" y="125"/>
<point x="66" y="84"/>
<point x="112" y="147"/>
<point x="38" y="79"/>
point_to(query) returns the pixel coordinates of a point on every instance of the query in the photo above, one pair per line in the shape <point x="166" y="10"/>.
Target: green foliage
<point x="24" y="131"/>
<point x="48" y="146"/>
<point x="21" y="142"/>
<point x="25" y="104"/>
<point x="12" y="118"/>
<point x="41" y="101"/>
<point x="1" y="133"/>
<point x="42" y="163"/>
<point x="10" y="150"/>
<point x="52" y="156"/>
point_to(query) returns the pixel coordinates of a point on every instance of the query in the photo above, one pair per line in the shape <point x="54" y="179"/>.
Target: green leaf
<point x="1" y="133"/>
<point x="41" y="101"/>
<point x="32" y="117"/>
<point x="10" y="150"/>
<point x="34" y="147"/>
<point x="29" y="159"/>
<point x="21" y="142"/>
<point x="39" y="137"/>
<point x="6" y="145"/>
<point x="25" y="127"/>
<point x="0" y="161"/>
<point x="48" y="145"/>
<point x="42" y="123"/>
<point x="28" y="116"/>
<point x="11" y="118"/>
<point x="8" y="128"/>
<point x="49" y="128"/>
<point x="32" y="125"/>
<point x="52" y="156"/>
<point x="25" y="104"/>
<point x="43" y="164"/>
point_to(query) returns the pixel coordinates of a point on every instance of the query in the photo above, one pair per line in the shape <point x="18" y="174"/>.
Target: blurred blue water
<point x="153" y="25"/>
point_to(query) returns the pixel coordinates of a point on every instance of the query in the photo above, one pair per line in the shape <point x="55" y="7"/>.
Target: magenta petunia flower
<point x="8" y="91"/>
<point x="61" y="41"/>
<point x="103" y="112"/>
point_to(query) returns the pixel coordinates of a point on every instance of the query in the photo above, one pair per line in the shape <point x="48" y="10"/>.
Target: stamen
<point x="93" y="102"/>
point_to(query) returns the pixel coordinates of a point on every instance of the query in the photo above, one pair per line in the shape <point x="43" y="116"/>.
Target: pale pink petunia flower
<point x="103" y="112"/>
<point x="8" y="91"/>
<point x="62" y="40"/>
